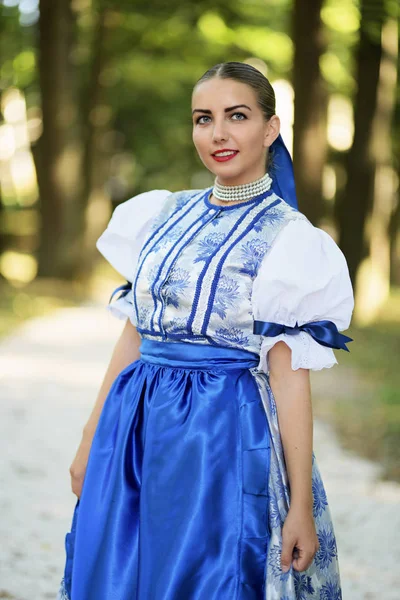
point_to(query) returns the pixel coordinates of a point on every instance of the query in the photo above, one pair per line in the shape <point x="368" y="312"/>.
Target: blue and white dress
<point x="186" y="489"/>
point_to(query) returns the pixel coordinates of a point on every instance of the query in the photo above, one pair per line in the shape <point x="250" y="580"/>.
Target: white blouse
<point x="303" y="278"/>
<point x="302" y="275"/>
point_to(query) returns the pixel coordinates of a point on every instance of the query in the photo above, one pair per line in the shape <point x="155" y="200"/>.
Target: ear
<point x="272" y="130"/>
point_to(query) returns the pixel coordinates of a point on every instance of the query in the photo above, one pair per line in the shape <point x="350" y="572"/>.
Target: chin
<point x="230" y="175"/>
<point x="225" y="171"/>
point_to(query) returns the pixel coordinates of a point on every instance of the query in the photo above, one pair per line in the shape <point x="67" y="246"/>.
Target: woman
<point x="201" y="482"/>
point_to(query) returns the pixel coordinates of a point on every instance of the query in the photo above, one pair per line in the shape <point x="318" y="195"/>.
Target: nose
<point x="220" y="133"/>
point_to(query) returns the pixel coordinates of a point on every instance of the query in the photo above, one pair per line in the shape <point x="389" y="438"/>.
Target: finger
<point x="286" y="555"/>
<point x="304" y="561"/>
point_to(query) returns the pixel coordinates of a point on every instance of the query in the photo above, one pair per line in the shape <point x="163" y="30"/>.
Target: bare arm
<point x="125" y="352"/>
<point x="292" y="392"/>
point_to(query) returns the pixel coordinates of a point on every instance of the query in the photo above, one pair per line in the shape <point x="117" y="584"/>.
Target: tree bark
<point x="357" y="201"/>
<point x="310" y="108"/>
<point x="394" y="227"/>
<point x="96" y="158"/>
<point x="58" y="151"/>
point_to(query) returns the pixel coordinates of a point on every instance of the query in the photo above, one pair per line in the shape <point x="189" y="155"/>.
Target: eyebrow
<point x="208" y="112"/>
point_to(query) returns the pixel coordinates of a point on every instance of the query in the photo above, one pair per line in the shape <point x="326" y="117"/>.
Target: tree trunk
<point x="371" y="177"/>
<point x="376" y="280"/>
<point x="394" y="227"/>
<point x="361" y="164"/>
<point x="310" y="108"/>
<point x="96" y="161"/>
<point x="58" y="152"/>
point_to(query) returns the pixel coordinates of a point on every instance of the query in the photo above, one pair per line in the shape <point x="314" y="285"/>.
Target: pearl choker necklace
<point x="246" y="191"/>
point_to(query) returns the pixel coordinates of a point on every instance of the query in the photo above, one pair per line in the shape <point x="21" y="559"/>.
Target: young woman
<point x="201" y="483"/>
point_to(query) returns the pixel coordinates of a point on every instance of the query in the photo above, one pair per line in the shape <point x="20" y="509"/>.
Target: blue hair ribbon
<point x="282" y="173"/>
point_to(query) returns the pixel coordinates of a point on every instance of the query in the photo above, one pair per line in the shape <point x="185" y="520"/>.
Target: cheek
<point x="252" y="140"/>
<point x="200" y="141"/>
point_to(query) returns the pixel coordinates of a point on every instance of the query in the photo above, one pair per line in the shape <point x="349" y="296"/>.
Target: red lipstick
<point x="224" y="154"/>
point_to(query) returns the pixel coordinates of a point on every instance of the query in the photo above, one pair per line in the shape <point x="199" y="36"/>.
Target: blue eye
<point x="241" y="115"/>
<point x="202" y="117"/>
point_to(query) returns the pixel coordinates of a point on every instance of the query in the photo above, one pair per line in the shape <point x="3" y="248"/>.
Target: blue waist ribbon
<point x="324" y="332"/>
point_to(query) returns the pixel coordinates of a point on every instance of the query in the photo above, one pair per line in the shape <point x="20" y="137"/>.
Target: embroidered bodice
<point x="202" y="273"/>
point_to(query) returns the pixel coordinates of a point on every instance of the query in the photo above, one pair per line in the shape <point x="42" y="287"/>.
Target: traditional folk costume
<point x="186" y="489"/>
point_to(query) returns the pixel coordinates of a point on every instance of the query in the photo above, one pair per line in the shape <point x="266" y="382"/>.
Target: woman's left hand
<point x="299" y="539"/>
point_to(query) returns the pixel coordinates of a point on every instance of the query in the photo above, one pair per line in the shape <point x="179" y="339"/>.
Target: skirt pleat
<point x="186" y="489"/>
<point x="175" y="499"/>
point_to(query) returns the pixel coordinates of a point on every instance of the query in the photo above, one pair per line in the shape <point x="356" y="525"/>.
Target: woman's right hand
<point x="78" y="467"/>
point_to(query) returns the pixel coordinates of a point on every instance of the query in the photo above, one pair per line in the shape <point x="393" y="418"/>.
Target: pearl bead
<point x="245" y="191"/>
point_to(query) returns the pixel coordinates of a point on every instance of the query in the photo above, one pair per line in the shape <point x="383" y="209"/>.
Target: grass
<point x="367" y="419"/>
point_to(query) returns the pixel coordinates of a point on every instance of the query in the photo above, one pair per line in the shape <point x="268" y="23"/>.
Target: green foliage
<point x="367" y="418"/>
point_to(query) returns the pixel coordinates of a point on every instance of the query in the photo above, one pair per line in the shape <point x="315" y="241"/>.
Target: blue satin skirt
<point x="175" y="499"/>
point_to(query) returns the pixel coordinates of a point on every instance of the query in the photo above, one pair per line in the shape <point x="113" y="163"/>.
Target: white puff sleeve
<point x="303" y="278"/>
<point x="122" y="240"/>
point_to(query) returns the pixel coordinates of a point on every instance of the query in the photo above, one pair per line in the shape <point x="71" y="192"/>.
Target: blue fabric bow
<point x="282" y="172"/>
<point x="125" y="289"/>
<point x="324" y="332"/>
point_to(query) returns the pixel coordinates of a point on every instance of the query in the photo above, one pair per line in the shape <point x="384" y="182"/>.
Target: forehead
<point x="220" y="93"/>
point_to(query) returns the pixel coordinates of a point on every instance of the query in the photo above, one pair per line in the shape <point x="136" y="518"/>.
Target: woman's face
<point x="230" y="131"/>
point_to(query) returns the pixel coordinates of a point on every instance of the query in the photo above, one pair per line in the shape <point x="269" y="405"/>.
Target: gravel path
<point x="50" y="371"/>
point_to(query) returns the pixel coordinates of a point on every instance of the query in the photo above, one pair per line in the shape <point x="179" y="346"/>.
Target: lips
<point x="224" y="154"/>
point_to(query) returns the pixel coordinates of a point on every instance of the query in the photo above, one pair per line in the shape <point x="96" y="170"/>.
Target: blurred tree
<point x="71" y="158"/>
<point x="309" y="130"/>
<point x="97" y="146"/>
<point x="361" y="165"/>
<point x="365" y="211"/>
<point x="58" y="152"/>
<point x="394" y="227"/>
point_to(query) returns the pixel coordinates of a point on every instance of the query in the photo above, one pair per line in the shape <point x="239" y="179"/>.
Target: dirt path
<point x="50" y="371"/>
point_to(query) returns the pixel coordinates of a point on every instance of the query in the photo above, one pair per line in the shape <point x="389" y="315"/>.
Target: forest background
<point x="95" y="108"/>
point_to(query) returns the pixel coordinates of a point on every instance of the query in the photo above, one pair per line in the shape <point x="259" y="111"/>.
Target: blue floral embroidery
<point x="152" y="274"/>
<point x="327" y="548"/>
<point x="158" y="221"/>
<point x="208" y="245"/>
<point x="143" y="316"/>
<point x="282" y="488"/>
<point x="272" y="403"/>
<point x="62" y="592"/>
<point x="164" y="241"/>
<point x="232" y="335"/>
<point x="271" y="216"/>
<point x="330" y="591"/>
<point x="252" y="254"/>
<point x="181" y="200"/>
<point x="320" y="500"/>
<point x="226" y="295"/>
<point x="275" y="563"/>
<point x="175" y="286"/>
<point x="178" y="325"/>
<point x="302" y="585"/>
<point x="274" y="514"/>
